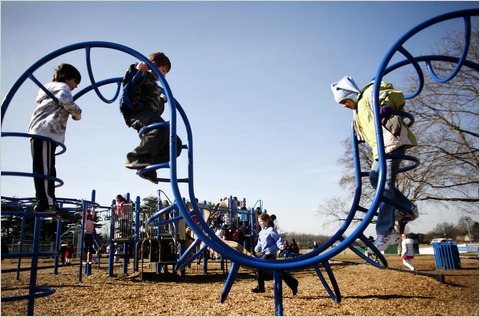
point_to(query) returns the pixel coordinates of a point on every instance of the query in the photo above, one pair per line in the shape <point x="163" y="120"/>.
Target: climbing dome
<point x="319" y="258"/>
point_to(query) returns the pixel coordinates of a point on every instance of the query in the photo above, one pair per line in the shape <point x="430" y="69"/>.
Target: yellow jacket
<point x="395" y="131"/>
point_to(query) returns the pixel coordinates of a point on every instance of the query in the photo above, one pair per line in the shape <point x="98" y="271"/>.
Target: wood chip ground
<point x="365" y="291"/>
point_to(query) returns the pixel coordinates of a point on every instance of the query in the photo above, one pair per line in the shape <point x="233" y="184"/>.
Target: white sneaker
<point x="384" y="241"/>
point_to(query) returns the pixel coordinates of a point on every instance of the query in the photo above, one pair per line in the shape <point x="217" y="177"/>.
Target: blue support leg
<point x="335" y="294"/>
<point x="277" y="286"/>
<point x="230" y="279"/>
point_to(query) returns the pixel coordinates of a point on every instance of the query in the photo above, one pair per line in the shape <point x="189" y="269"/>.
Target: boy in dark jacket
<point x="144" y="108"/>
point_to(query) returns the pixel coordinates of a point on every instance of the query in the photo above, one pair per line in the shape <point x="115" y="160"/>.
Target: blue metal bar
<point x="115" y="80"/>
<point x="35" y="136"/>
<point x="230" y="280"/>
<point x="277" y="287"/>
<point x="8" y="98"/>
<point x="39" y="292"/>
<point x="112" y="236"/>
<point x="183" y="261"/>
<point x="335" y="293"/>
<point x="42" y="87"/>
<point x="82" y="241"/>
<point x="57" y="246"/>
<point x="136" y="238"/>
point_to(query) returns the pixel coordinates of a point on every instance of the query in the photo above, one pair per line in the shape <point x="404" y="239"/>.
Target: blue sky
<point x="253" y="77"/>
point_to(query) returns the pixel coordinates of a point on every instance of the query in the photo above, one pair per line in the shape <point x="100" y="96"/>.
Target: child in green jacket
<point x="397" y="137"/>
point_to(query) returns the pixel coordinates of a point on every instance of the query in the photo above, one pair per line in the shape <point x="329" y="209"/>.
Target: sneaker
<point x="136" y="165"/>
<point x="39" y="208"/>
<point x="55" y="210"/>
<point x="384" y="241"/>
<point x="256" y="290"/>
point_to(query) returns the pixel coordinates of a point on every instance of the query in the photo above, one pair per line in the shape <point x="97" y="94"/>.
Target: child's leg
<point x="260" y="280"/>
<point x="43" y="156"/>
<point x="408" y="263"/>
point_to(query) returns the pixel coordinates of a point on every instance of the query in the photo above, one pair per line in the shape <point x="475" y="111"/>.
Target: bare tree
<point x="447" y="130"/>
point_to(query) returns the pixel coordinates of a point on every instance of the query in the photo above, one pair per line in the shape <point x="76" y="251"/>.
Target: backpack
<point x="132" y="78"/>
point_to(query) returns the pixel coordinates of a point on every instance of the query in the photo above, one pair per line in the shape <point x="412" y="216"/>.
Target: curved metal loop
<point x="165" y="210"/>
<point x="92" y="79"/>
<point x="463" y="57"/>
<point x="404" y="157"/>
<point x="117" y="80"/>
<point x="335" y="293"/>
<point x="418" y="69"/>
<point x="34" y="175"/>
<point x="383" y="264"/>
<point x="38" y="137"/>
<point x="398" y="47"/>
<point x="405" y="114"/>
<point x="39" y="292"/>
<point x="152" y="127"/>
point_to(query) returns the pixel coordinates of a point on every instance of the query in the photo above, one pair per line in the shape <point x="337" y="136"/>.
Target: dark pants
<point x="154" y="145"/>
<point x="43" y="156"/>
<point x="89" y="243"/>
<point x="289" y="280"/>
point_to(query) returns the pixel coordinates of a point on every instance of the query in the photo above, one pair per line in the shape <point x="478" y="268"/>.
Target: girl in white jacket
<point x="50" y="120"/>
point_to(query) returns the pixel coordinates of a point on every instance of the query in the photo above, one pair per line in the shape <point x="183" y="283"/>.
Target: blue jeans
<point x="386" y="212"/>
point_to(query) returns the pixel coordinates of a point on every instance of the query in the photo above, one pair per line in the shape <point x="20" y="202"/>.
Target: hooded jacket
<point x="395" y="131"/>
<point x="50" y="119"/>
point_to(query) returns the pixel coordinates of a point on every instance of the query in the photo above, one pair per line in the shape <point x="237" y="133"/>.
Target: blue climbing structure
<point x="319" y="258"/>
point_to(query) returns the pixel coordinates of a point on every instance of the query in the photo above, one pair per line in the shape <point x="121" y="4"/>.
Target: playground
<point x="366" y="292"/>
<point x="154" y="262"/>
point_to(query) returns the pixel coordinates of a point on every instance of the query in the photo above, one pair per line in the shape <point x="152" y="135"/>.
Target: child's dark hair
<point x="65" y="72"/>
<point x="266" y="218"/>
<point x="160" y="59"/>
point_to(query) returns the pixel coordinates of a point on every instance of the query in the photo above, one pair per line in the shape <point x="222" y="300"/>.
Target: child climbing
<point x="397" y="137"/>
<point x="50" y="120"/>
<point x="143" y="105"/>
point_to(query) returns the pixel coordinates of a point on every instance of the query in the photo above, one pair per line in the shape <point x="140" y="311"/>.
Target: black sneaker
<point x="55" y="210"/>
<point x="39" y="208"/>
<point x="257" y="290"/>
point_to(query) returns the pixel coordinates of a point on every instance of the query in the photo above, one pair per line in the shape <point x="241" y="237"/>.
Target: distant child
<point x="69" y="254"/>
<point x="88" y="229"/>
<point x="294" y="248"/>
<point x="63" y="251"/>
<point x="397" y="138"/>
<point x="146" y="107"/>
<point x="408" y="253"/>
<point x="121" y="207"/>
<point x="50" y="120"/>
<point x="269" y="241"/>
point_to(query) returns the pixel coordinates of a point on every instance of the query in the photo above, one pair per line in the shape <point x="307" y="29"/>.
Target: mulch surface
<point x="365" y="291"/>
